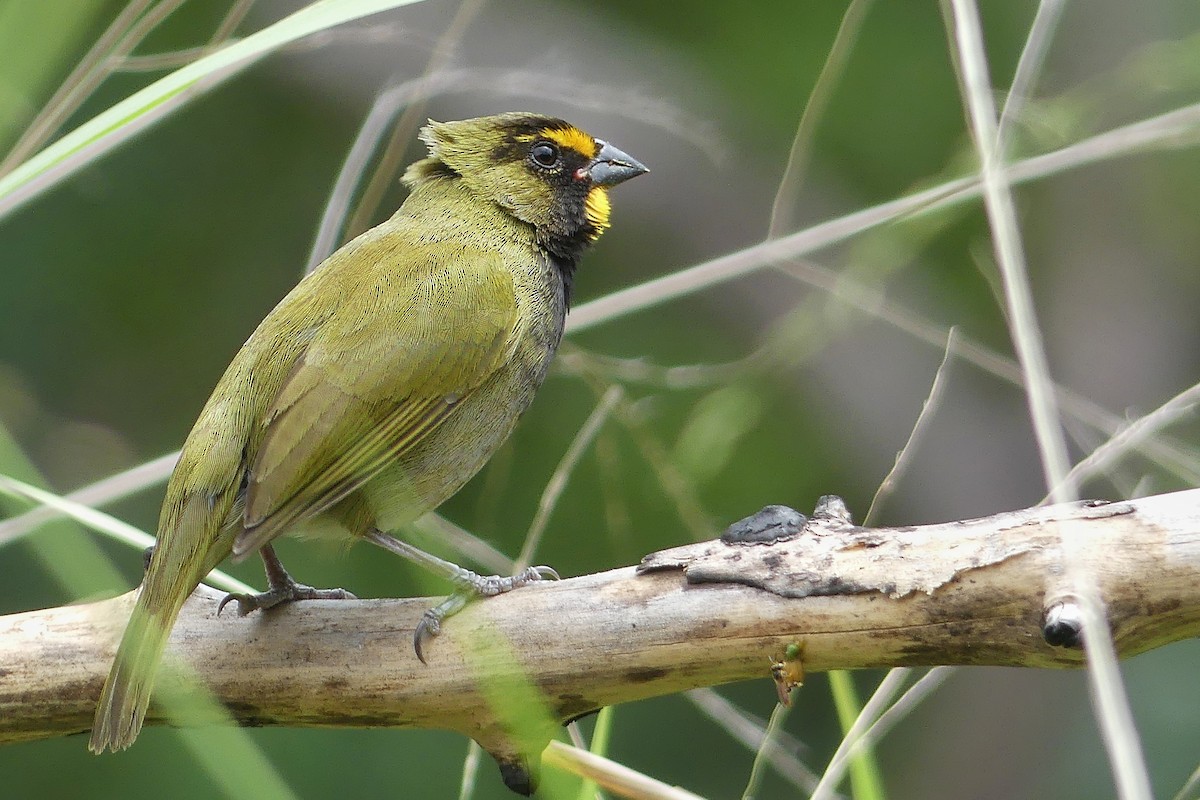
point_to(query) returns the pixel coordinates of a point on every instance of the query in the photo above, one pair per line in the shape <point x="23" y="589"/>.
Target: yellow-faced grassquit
<point x="383" y="382"/>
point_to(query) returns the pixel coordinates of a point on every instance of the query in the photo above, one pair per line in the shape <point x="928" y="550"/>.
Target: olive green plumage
<point x="386" y="379"/>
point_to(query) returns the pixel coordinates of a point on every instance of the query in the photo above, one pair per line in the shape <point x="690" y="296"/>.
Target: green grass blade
<point x="601" y="738"/>
<point x="100" y="133"/>
<point x="865" y="777"/>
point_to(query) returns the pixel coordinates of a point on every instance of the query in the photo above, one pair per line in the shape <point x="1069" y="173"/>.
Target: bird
<point x="381" y="383"/>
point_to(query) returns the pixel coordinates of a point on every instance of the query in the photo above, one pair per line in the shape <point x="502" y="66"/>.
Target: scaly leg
<point x="467" y="584"/>
<point x="281" y="588"/>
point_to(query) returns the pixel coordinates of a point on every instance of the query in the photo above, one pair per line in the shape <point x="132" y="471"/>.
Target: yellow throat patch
<point x="596" y="206"/>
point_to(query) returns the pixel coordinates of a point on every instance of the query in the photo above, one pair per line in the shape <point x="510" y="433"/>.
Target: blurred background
<point x="126" y="289"/>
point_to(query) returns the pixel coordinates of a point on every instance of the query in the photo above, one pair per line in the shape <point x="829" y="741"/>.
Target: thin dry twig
<point x="80" y="85"/>
<point x="676" y="487"/>
<point x="156" y="62"/>
<point x="873" y="709"/>
<point x="1029" y="67"/>
<point x="106" y="524"/>
<point x="177" y="58"/>
<point x="875" y="303"/>
<point x="1111" y="704"/>
<point x="1178" y="128"/>
<point x="909" y="700"/>
<point x="612" y="776"/>
<point x="779" y="715"/>
<point x="575" y="360"/>
<point x="459" y="540"/>
<point x="780" y="750"/>
<point x="932" y="402"/>
<point x="1130" y="437"/>
<point x="86" y="75"/>
<point x="470" y="771"/>
<point x="110" y="489"/>
<point x="1191" y="789"/>
<point x="1010" y="256"/>
<point x="511" y="82"/>
<point x="818" y="99"/>
<point x="562" y="473"/>
<point x="402" y="131"/>
<point x="230" y="22"/>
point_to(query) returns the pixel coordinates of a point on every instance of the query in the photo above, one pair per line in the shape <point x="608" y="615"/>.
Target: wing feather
<point x="367" y="390"/>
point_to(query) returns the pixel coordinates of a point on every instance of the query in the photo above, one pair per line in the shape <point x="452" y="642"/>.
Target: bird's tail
<point x="126" y="694"/>
<point x="187" y="549"/>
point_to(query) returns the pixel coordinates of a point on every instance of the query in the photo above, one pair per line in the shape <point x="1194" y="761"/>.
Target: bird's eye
<point x="544" y="154"/>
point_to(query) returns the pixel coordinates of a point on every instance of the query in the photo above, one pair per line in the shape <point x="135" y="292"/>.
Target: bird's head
<point x="542" y="170"/>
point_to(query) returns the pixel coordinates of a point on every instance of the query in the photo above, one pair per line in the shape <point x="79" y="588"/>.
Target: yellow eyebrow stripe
<point x="572" y="138"/>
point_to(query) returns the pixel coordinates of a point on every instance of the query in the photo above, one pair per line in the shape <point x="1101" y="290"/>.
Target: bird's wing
<point x="368" y="388"/>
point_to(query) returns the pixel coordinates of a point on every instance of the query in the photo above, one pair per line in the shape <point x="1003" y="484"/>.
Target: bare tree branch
<point x="964" y="592"/>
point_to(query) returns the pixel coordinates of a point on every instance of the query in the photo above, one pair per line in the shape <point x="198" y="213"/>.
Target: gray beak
<point x="611" y="166"/>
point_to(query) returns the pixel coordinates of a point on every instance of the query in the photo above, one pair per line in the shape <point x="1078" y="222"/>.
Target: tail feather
<point x="190" y="544"/>
<point x="126" y="694"/>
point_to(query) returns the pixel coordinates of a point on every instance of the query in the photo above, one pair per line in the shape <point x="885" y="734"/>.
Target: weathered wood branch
<point x="968" y="592"/>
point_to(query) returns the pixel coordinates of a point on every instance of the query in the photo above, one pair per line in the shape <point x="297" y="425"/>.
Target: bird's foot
<point x="468" y="586"/>
<point x="286" y="592"/>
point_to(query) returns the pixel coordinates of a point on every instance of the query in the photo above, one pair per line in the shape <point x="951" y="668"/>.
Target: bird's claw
<point x="278" y="595"/>
<point x="246" y="603"/>
<point x="469" y="586"/>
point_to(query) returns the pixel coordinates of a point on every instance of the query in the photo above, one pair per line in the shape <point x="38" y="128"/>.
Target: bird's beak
<point x="611" y="166"/>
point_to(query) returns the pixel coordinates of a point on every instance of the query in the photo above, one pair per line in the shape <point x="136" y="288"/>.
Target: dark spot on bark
<point x="646" y="675"/>
<point x="1166" y="606"/>
<point x="833" y="586"/>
